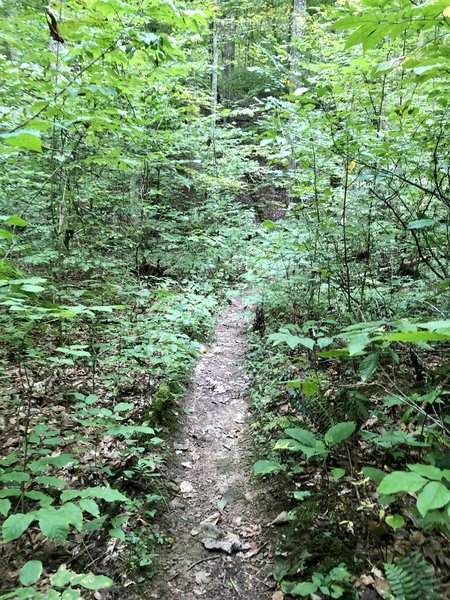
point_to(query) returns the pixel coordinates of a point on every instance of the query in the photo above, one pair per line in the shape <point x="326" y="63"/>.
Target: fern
<point x="412" y="578"/>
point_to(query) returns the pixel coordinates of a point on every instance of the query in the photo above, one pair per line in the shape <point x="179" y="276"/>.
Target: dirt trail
<point x="217" y="500"/>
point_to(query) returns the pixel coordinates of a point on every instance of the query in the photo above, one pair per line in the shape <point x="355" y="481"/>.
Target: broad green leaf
<point x="421" y="224"/>
<point x="293" y="341"/>
<point x="302" y="435"/>
<point x="301" y="495"/>
<point x="287" y="444"/>
<point x="28" y="139"/>
<point x="417" y="336"/>
<point x="427" y="471"/>
<point x="434" y="495"/>
<point x="263" y="467"/>
<point x="5" y="507"/>
<point x="51" y="481"/>
<point x="30" y="572"/>
<point x="43" y="499"/>
<point x="6" y="235"/>
<point x="90" y="506"/>
<point x="16" y="221"/>
<point x="304" y="589"/>
<point x="15" y="525"/>
<point x="376" y="474"/>
<point x="35" y="289"/>
<point x="337" y="473"/>
<point x="54" y="524"/>
<point x="16" y="476"/>
<point x="369" y="365"/>
<point x="339" y="432"/>
<point x="92" y="582"/>
<point x="120" y="533"/>
<point x="357" y="344"/>
<point x="123" y="406"/>
<point x="102" y="493"/>
<point x="70" y="594"/>
<point x="401" y="481"/>
<point x="62" y="577"/>
<point x="395" y="521"/>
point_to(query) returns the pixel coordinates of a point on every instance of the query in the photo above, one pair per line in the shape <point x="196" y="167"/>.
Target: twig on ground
<point x="202" y="560"/>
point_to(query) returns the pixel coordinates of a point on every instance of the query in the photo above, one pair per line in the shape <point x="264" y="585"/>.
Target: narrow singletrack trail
<point x="217" y="503"/>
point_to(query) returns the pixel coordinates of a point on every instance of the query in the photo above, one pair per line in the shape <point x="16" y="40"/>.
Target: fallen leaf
<point x="281" y="518"/>
<point x="186" y="487"/>
<point x="202" y="577"/>
<point x="251" y="530"/>
<point x="184" y="446"/>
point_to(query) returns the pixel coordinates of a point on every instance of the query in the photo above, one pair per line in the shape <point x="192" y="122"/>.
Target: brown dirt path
<point x="217" y="497"/>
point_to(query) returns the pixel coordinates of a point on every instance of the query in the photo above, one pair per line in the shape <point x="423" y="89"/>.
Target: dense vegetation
<point x="158" y="155"/>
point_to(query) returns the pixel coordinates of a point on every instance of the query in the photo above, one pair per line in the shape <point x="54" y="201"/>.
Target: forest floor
<point x="219" y="518"/>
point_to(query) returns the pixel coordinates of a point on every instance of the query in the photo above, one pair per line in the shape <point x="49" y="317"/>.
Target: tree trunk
<point x="214" y="84"/>
<point x="297" y="31"/>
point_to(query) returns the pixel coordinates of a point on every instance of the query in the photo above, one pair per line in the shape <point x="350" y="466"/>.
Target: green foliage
<point x="331" y="585"/>
<point x="306" y="442"/>
<point x="412" y="578"/>
<point x="429" y="483"/>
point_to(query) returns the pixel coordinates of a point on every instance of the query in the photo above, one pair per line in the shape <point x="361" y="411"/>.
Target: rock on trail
<point x="218" y="519"/>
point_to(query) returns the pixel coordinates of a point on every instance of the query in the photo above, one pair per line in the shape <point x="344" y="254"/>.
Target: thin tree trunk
<point x="297" y="32"/>
<point x="214" y="85"/>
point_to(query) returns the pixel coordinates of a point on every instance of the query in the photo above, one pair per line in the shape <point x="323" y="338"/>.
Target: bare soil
<point x="217" y="499"/>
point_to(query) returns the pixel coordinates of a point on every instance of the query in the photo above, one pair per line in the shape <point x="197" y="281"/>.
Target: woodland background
<point x="157" y="154"/>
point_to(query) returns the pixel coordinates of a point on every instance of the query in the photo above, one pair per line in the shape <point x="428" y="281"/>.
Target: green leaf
<point x="368" y="366"/>
<point x="287" y="444"/>
<point x="123" y="406"/>
<point x="90" y="506"/>
<point x="401" y="481"/>
<point x="302" y="435"/>
<point x="16" y="476"/>
<point x="417" y="336"/>
<point x="263" y="467"/>
<point x="15" y="525"/>
<point x="30" y="572"/>
<point x="339" y="432"/>
<point x="92" y="582"/>
<point x="54" y="524"/>
<point x="29" y="139"/>
<point x="434" y="495"/>
<point x="357" y="344"/>
<point x="376" y="474"/>
<point x="120" y="533"/>
<point x="302" y="495"/>
<point x="421" y="224"/>
<point x="56" y="482"/>
<point x="427" y="471"/>
<point x="102" y="493"/>
<point x="304" y="589"/>
<point x="337" y="473"/>
<point x="395" y="521"/>
<point x="308" y="386"/>
<point x="6" y="235"/>
<point x="293" y="341"/>
<point x="35" y="289"/>
<point x="5" y="507"/>
<point x="62" y="577"/>
<point x="16" y="221"/>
